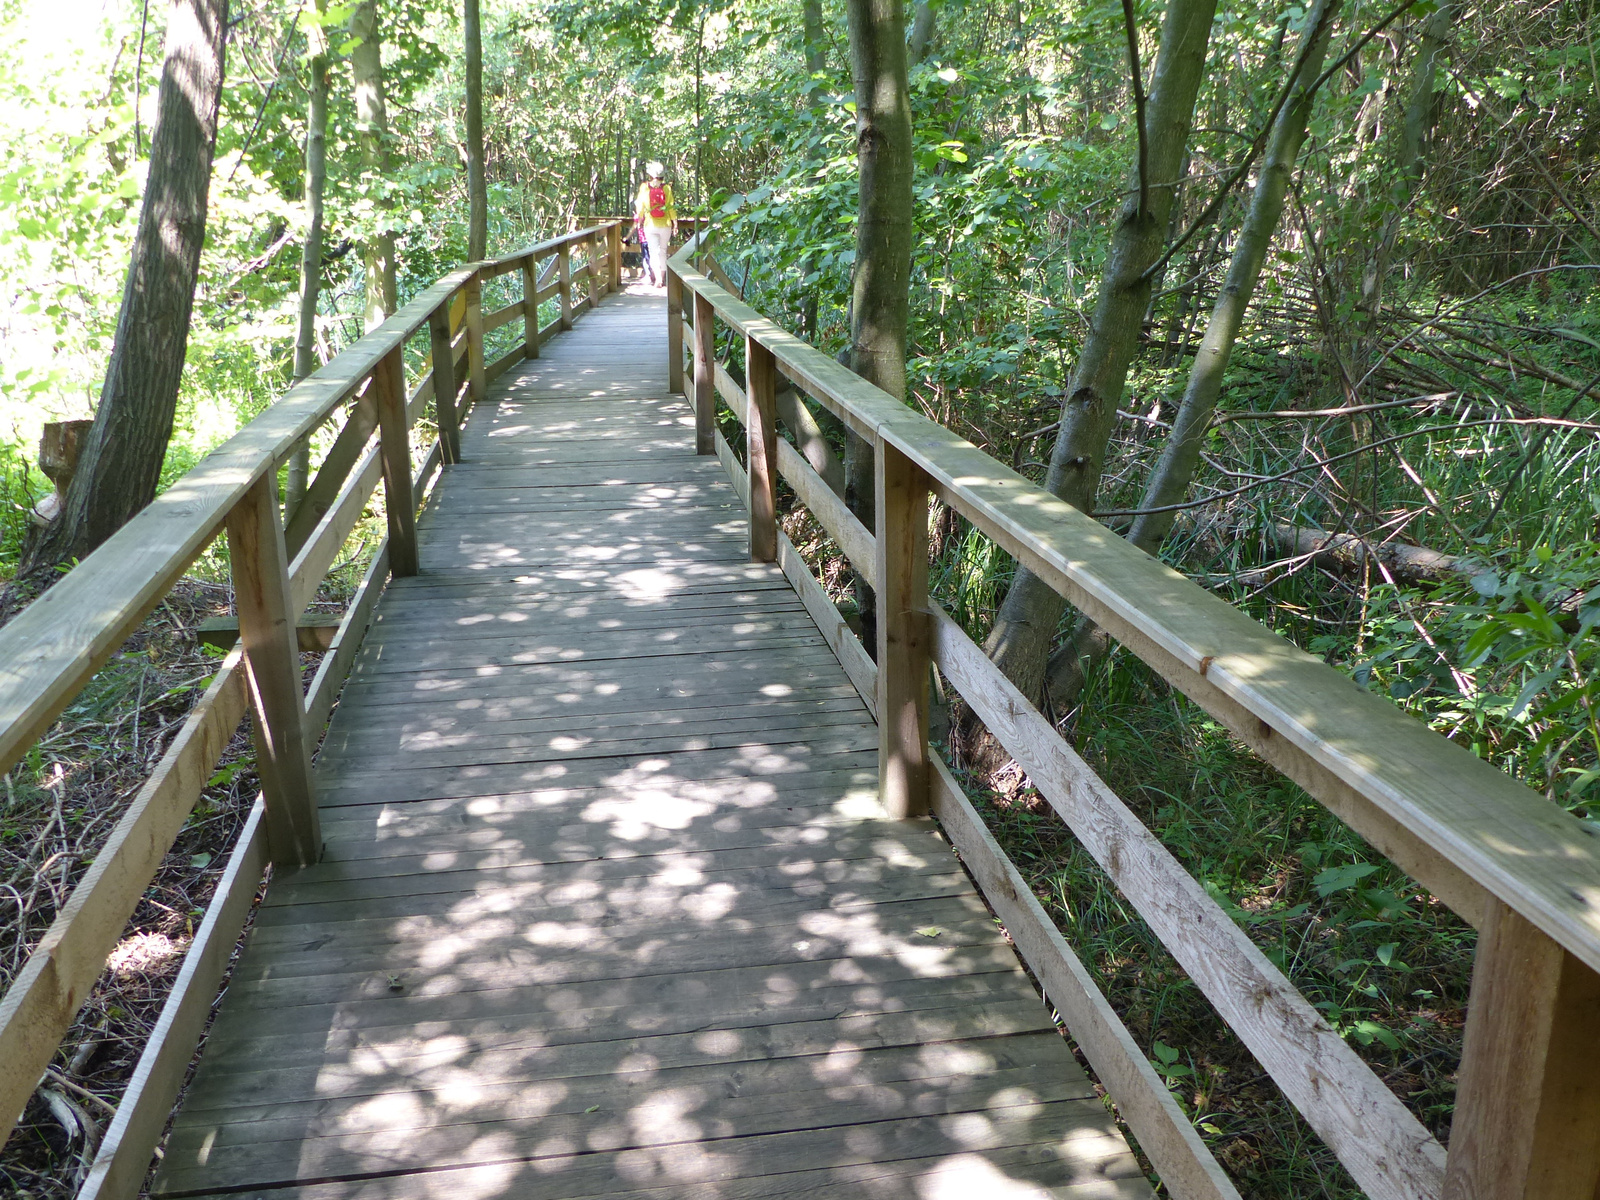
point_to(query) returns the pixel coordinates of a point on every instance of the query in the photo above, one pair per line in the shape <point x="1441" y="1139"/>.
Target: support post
<point x="903" y="634"/>
<point x="477" y="382"/>
<point x="445" y="385"/>
<point x="260" y="565"/>
<point x="705" y="387"/>
<point x="1527" y="1119"/>
<point x="389" y="380"/>
<point x="591" y="274"/>
<point x="564" y="278"/>
<point x="674" y="333"/>
<point x="614" y="253"/>
<point x="530" y="308"/>
<point x="761" y="442"/>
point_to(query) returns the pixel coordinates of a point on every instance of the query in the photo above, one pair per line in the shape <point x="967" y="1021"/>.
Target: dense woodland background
<point x="1415" y="373"/>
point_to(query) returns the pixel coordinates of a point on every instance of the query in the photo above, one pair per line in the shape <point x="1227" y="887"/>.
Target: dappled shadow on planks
<point x="606" y="907"/>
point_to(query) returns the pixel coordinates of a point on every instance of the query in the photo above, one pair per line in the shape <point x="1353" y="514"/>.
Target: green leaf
<point x="1339" y="879"/>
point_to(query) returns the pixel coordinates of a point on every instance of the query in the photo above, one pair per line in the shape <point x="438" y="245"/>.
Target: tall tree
<point x="316" y="175"/>
<point x="1170" y="480"/>
<point x="372" y="124"/>
<point x="1020" y="640"/>
<point x="879" y="300"/>
<point x="120" y="466"/>
<point x="477" y="185"/>
<point x="816" y="46"/>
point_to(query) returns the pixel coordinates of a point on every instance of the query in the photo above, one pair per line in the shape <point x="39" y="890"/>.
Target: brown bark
<point x="1020" y="640"/>
<point x="477" y="185"/>
<point x="120" y="466"/>
<point x="316" y="174"/>
<point x="879" y="303"/>
<point x="372" y="123"/>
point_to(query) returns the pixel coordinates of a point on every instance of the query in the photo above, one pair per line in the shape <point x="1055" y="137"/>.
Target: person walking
<point x="657" y="219"/>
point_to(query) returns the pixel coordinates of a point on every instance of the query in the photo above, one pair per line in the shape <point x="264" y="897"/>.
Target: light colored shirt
<point x="641" y="207"/>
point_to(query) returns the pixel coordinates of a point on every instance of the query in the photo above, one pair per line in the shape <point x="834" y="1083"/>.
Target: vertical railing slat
<point x="903" y="635"/>
<point x="530" y="308"/>
<point x="705" y="386"/>
<point x="395" y="446"/>
<point x="445" y="385"/>
<point x="761" y="443"/>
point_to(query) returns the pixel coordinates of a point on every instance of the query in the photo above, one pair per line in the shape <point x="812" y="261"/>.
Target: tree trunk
<point x="477" y="187"/>
<point x="816" y="45"/>
<point x="1170" y="480"/>
<point x="879" y="302"/>
<point x="305" y="356"/>
<point x="372" y="123"/>
<point x="923" y="25"/>
<point x="120" y="466"/>
<point x="1019" y="643"/>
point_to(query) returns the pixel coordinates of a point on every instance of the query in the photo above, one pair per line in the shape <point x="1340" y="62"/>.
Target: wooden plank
<point x="705" y="360"/>
<point x="674" y="333"/>
<point x="1187" y="1169"/>
<point x="395" y="447"/>
<point x="504" y="316"/>
<point x="761" y="452"/>
<point x="314" y="631"/>
<point x="564" y="285"/>
<point x="44" y="998"/>
<point x="511" y="358"/>
<point x="359" y="424"/>
<point x="808" y="437"/>
<point x="446" y="383"/>
<point x="477" y="386"/>
<point x="335" y="666"/>
<point x="1386" y="1149"/>
<point x="272" y="667"/>
<point x="124" y="1155"/>
<point x="855" y="541"/>
<point x="320" y="552"/>
<point x="903" y="642"/>
<point x="1528" y="1100"/>
<point x="530" y="308"/>
<point x="846" y="647"/>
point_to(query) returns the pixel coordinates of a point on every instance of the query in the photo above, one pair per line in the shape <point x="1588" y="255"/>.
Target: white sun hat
<point x="654" y="170"/>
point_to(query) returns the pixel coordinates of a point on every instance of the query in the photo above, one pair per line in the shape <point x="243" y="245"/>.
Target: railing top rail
<point x="550" y="245"/>
<point x="1477" y="827"/>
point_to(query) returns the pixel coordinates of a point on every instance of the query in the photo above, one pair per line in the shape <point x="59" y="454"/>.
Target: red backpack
<point x="658" y="202"/>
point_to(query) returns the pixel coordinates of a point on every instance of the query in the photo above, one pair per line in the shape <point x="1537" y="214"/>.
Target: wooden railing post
<point x="564" y="278"/>
<point x="389" y="381"/>
<point x="705" y="388"/>
<point x="477" y="383"/>
<point x="1527" y="1118"/>
<point x="260" y="565"/>
<point x="530" y="308"/>
<point x="445" y="386"/>
<point x="614" y="253"/>
<point x="761" y="439"/>
<point x="903" y="634"/>
<point x="674" y="333"/>
<point x="591" y="272"/>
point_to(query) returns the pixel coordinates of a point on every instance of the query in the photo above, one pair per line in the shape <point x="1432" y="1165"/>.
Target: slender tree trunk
<point x="372" y="124"/>
<point x="816" y="45"/>
<point x="879" y="303"/>
<point x="477" y="185"/>
<point x="120" y="465"/>
<point x="923" y="26"/>
<point x="305" y="342"/>
<point x="1170" y="480"/>
<point x="1020" y="640"/>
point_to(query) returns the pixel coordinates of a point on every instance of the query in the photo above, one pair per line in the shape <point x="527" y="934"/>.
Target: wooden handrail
<point x="1488" y="847"/>
<point x="51" y="649"/>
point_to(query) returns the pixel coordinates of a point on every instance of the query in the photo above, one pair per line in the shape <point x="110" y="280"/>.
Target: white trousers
<point x="659" y="238"/>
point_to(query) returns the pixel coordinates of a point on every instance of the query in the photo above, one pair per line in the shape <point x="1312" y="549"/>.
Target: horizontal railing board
<point x="124" y="1155"/>
<point x="1388" y="1151"/>
<point x="1458" y="823"/>
<point x="44" y="999"/>
<point x="1166" y="1135"/>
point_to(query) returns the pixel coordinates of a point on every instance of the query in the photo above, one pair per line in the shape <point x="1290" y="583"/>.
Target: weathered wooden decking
<point x="604" y="910"/>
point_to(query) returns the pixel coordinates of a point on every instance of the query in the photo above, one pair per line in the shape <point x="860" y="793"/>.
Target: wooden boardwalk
<point x="605" y="910"/>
